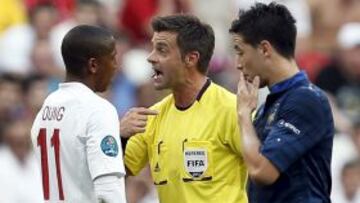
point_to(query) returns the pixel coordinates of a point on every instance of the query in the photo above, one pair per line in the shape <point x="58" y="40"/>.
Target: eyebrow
<point x="162" y="44"/>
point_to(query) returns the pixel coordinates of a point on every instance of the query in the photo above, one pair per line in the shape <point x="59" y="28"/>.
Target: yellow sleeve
<point x="138" y="146"/>
<point x="136" y="155"/>
<point x="232" y="131"/>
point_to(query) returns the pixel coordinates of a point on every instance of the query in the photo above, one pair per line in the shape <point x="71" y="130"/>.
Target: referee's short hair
<point x="192" y="35"/>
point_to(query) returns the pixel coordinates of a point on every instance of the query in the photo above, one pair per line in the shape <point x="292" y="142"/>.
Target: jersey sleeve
<point x="137" y="147"/>
<point x="232" y="131"/>
<point x="300" y="124"/>
<point x="136" y="153"/>
<point x="103" y="147"/>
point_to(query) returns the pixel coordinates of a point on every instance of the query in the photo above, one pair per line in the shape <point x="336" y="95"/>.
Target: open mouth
<point x="157" y="73"/>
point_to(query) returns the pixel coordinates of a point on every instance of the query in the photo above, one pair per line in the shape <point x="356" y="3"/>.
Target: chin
<point x="159" y="85"/>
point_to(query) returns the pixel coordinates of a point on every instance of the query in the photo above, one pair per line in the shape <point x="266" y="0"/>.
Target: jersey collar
<point x="198" y="96"/>
<point x="77" y="85"/>
<point x="289" y="83"/>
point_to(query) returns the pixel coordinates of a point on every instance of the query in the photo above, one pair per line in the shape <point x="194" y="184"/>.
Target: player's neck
<point x="283" y="69"/>
<point x="186" y="94"/>
<point x="86" y="81"/>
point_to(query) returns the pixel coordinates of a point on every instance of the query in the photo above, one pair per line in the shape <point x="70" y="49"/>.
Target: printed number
<point x="55" y="142"/>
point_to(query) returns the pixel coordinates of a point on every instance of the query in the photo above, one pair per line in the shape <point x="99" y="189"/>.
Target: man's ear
<point x="92" y="66"/>
<point x="192" y="59"/>
<point x="266" y="48"/>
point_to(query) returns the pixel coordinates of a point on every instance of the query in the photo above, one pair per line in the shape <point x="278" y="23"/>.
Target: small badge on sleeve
<point x="109" y="146"/>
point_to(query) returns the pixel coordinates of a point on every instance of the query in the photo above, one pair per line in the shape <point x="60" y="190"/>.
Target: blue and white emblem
<point x="109" y="146"/>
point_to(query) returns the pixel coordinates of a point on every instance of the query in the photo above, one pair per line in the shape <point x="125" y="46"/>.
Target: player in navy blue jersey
<point x="287" y="146"/>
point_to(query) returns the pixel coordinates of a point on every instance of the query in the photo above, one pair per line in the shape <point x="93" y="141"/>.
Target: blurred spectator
<point x="35" y="90"/>
<point x="43" y="63"/>
<point x="10" y="102"/>
<point x="109" y="13"/>
<point x="12" y="12"/>
<point x="341" y="78"/>
<point x="64" y="7"/>
<point x="42" y="18"/>
<point x="20" y="179"/>
<point x="344" y="151"/>
<point x="327" y="17"/>
<point x="351" y="182"/>
<point x="17" y="42"/>
<point x="86" y="12"/>
<point x="135" y="15"/>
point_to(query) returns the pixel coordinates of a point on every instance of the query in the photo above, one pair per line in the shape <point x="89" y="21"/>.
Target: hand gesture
<point x="247" y="95"/>
<point x="135" y="121"/>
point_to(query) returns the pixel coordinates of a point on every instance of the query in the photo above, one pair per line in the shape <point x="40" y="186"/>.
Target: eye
<point x="239" y="53"/>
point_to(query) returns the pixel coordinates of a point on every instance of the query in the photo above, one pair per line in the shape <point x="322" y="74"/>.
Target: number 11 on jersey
<point x="42" y="143"/>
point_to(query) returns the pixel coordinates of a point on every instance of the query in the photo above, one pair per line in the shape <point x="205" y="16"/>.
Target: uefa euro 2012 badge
<point x="109" y="146"/>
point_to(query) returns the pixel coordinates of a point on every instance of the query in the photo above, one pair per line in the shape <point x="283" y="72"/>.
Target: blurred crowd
<point x="31" y="31"/>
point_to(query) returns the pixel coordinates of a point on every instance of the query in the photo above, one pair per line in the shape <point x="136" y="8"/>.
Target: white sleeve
<point x="103" y="145"/>
<point x="110" y="189"/>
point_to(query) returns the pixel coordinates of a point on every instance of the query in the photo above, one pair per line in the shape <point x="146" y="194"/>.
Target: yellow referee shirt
<point x="194" y="153"/>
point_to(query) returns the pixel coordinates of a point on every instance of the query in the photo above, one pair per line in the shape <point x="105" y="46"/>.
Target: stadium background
<point x="328" y="49"/>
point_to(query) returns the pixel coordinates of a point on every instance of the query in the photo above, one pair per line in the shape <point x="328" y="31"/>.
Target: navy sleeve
<point x="299" y="125"/>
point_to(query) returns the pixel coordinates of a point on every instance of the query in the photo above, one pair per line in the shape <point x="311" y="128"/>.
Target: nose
<point x="239" y="65"/>
<point x="151" y="58"/>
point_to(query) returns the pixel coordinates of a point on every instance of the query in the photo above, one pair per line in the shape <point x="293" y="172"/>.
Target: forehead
<point x="238" y="40"/>
<point x="167" y="38"/>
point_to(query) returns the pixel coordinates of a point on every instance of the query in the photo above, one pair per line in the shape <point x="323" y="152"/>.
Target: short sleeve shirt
<point x="296" y="130"/>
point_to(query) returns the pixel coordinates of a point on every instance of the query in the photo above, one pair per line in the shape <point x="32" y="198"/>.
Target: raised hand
<point x="247" y="95"/>
<point x="135" y="121"/>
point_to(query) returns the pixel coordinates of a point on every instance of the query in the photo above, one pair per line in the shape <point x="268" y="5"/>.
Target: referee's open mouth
<point x="157" y="73"/>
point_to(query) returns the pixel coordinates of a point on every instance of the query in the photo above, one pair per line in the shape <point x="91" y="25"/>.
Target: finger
<point x="241" y="83"/>
<point x="140" y="124"/>
<point x="143" y="118"/>
<point x="256" y="82"/>
<point x="145" y="111"/>
<point x="255" y="85"/>
<point x="138" y="130"/>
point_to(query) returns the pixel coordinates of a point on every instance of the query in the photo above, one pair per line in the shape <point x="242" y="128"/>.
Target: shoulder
<point x="306" y="94"/>
<point x="99" y="104"/>
<point x="164" y="103"/>
<point x="309" y="100"/>
<point x="222" y="97"/>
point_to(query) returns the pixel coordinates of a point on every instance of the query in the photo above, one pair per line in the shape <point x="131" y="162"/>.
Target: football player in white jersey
<point x="76" y="133"/>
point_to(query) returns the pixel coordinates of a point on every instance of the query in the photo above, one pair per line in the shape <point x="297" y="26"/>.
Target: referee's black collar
<point x="199" y="95"/>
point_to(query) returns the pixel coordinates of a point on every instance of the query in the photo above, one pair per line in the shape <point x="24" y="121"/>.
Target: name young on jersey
<point x="51" y="113"/>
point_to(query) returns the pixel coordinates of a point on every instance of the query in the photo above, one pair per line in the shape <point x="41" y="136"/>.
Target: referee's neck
<point x="186" y="94"/>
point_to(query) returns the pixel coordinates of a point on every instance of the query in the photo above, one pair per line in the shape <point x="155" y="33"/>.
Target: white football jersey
<point x="76" y="139"/>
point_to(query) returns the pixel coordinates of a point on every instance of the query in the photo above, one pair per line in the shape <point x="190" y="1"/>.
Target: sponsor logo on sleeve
<point x="289" y="126"/>
<point x="109" y="146"/>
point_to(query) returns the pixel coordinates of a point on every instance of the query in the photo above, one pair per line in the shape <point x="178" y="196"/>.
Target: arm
<point x="108" y="189"/>
<point x="260" y="169"/>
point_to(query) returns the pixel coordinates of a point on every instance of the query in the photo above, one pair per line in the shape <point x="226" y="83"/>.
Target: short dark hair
<point x="192" y="35"/>
<point x="272" y="22"/>
<point x="82" y="43"/>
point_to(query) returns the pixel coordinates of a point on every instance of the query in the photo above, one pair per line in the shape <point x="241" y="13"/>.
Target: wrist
<point x="244" y="115"/>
